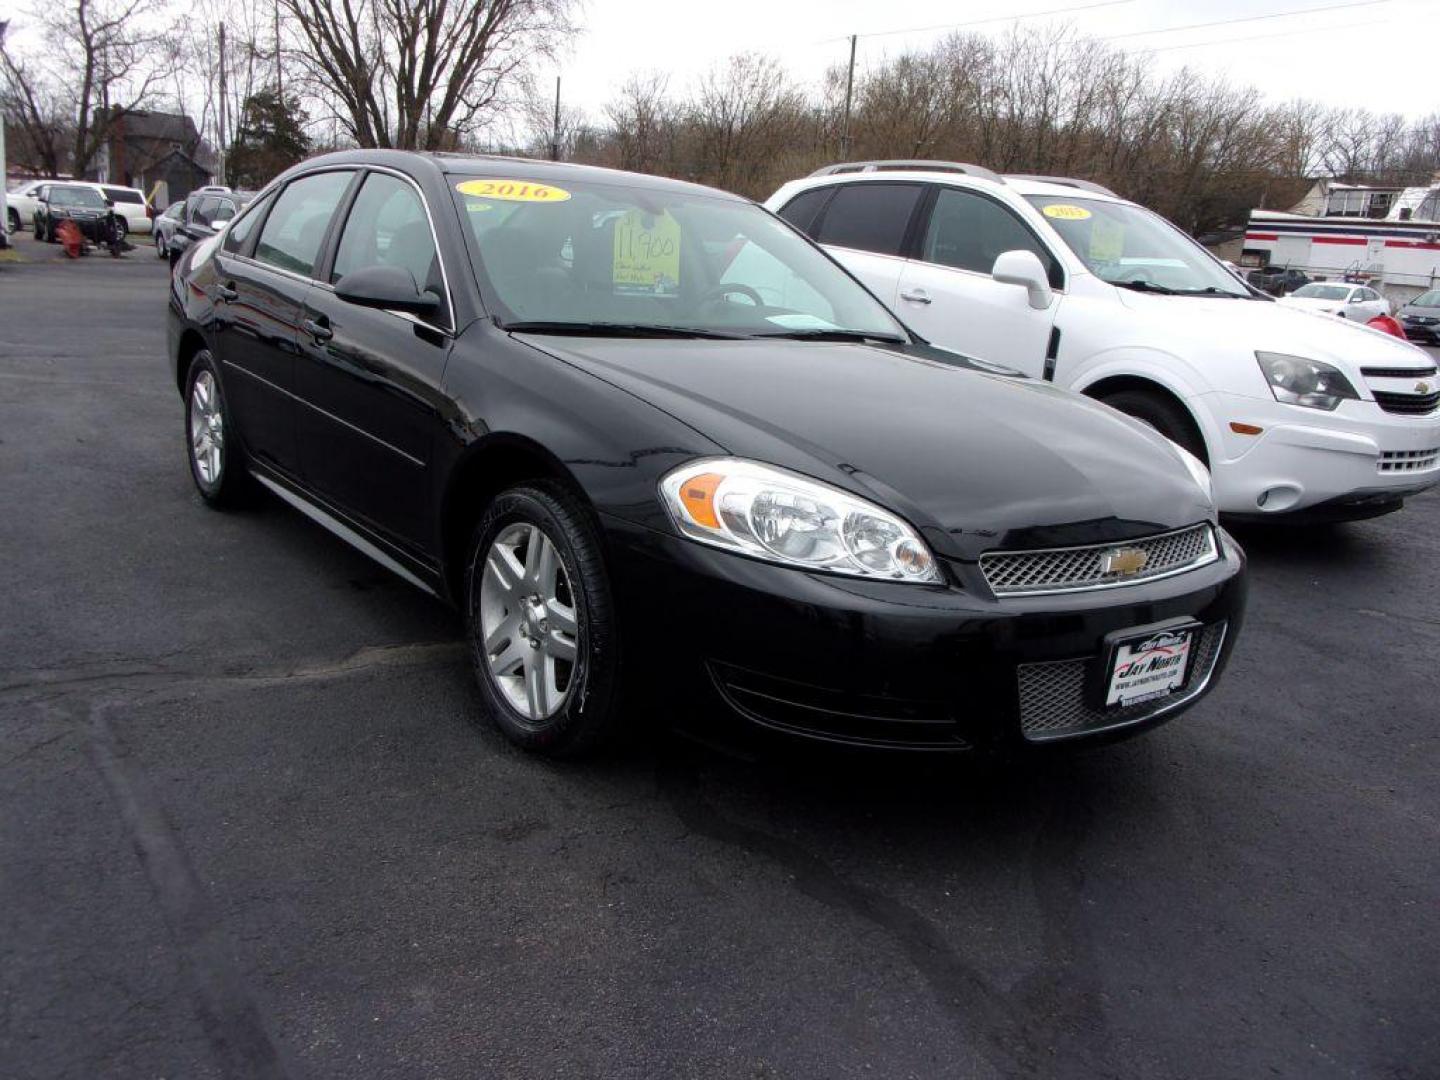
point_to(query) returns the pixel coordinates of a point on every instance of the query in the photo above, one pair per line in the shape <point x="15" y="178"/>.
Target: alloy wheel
<point x="207" y="429"/>
<point x="529" y="626"/>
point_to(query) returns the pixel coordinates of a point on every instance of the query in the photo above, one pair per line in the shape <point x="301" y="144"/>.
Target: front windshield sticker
<point x="1107" y="241"/>
<point x="647" y="254"/>
<point x="1066" y="212"/>
<point x="513" y="190"/>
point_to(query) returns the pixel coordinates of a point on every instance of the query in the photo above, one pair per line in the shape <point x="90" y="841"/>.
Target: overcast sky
<point x="1356" y="52"/>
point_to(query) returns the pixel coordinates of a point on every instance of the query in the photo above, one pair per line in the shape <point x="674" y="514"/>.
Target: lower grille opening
<point x="819" y="712"/>
<point x="1409" y="460"/>
<point x="1054" y="703"/>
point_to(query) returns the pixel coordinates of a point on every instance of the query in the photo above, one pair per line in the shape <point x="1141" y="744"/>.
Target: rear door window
<point x="870" y="217"/>
<point x="295" y="229"/>
<point x="802" y="210"/>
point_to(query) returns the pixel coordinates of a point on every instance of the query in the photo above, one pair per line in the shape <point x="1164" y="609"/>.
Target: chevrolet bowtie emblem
<point x="1422" y="388"/>
<point x="1124" y="561"/>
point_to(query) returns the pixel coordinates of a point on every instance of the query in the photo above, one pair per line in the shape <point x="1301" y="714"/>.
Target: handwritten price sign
<point x="647" y="254"/>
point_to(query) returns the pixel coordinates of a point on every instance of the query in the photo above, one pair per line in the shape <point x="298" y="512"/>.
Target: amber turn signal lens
<point x="698" y="497"/>
<point x="1244" y="429"/>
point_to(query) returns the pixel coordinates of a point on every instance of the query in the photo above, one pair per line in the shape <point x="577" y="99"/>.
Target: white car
<point x="1297" y="417"/>
<point x="20" y="203"/>
<point x="1358" y="302"/>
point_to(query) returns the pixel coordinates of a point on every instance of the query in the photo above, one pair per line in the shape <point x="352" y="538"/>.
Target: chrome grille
<point x="1392" y="461"/>
<point x="1009" y="573"/>
<point x="1053" y="702"/>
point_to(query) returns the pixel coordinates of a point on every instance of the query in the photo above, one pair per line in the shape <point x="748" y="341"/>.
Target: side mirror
<point x="1024" y="268"/>
<point x="391" y="287"/>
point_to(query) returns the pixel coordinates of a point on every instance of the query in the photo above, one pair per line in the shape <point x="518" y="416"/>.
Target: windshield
<point x="1126" y="245"/>
<point x="1322" y="292"/>
<point x="1428" y="299"/>
<point x="619" y="258"/>
<point x="84" y="197"/>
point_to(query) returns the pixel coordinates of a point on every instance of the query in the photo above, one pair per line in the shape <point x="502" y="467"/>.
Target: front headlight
<point x="1298" y="381"/>
<point x="785" y="518"/>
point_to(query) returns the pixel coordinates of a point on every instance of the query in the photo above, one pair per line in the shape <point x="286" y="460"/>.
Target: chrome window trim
<point x="447" y="330"/>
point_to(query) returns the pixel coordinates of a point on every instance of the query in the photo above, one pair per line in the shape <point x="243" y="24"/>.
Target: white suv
<point x="1296" y="416"/>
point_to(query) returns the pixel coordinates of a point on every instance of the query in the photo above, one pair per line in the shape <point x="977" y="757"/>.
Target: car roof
<point x="1044" y="187"/>
<point x="548" y="172"/>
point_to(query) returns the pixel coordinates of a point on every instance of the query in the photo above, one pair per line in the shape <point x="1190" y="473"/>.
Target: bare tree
<point x="421" y="73"/>
<point x="32" y="107"/>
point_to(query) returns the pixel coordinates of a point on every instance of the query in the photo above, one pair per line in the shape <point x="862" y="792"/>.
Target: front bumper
<point x="710" y="636"/>
<point x="1349" y="463"/>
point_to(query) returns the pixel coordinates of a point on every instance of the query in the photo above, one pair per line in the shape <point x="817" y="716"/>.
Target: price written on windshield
<point x="647" y="253"/>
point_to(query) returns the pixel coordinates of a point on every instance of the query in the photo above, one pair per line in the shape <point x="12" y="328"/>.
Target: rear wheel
<point x="1162" y="413"/>
<point x="216" y="463"/>
<point x="14" y="216"/>
<point x="541" y="623"/>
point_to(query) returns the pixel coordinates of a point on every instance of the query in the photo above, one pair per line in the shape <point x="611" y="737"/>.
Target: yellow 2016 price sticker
<point x="513" y="190"/>
<point x="1066" y="212"/>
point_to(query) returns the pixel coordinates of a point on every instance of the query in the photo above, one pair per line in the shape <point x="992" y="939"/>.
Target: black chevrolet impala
<point x="659" y="448"/>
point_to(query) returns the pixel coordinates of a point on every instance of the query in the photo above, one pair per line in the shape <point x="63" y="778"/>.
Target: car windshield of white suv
<point x="1322" y="292"/>
<point x="1135" y="249"/>
<point x="621" y="261"/>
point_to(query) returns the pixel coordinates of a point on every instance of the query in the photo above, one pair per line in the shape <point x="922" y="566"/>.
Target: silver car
<point x="1421" y="318"/>
<point x="165" y="227"/>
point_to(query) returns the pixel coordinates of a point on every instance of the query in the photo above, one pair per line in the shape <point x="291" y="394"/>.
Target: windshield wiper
<point x="1211" y="290"/>
<point x="833" y="335"/>
<point x="611" y="329"/>
<point x="1144" y="286"/>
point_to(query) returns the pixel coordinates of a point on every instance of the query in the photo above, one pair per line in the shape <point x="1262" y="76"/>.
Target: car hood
<point x="1420" y="312"/>
<point x="976" y="461"/>
<point x="1284" y="326"/>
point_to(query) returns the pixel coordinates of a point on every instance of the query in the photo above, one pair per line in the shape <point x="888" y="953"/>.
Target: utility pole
<point x="4" y="209"/>
<point x="279" y="74"/>
<point x="555" y="134"/>
<point x="849" y="91"/>
<point x="223" y="144"/>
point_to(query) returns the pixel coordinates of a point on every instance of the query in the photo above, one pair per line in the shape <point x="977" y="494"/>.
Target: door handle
<point x="916" y="296"/>
<point x="226" y="293"/>
<point x="318" y="330"/>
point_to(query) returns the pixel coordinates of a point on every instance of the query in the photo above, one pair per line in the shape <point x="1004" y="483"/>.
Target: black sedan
<point x="79" y="203"/>
<point x="662" y="451"/>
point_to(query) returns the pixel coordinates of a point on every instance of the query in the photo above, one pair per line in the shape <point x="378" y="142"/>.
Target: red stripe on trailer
<point x="1337" y="240"/>
<point x="1262" y="236"/>
<point x="1422" y="245"/>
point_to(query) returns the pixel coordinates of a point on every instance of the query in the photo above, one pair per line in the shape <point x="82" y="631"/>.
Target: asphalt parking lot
<point x="250" y="827"/>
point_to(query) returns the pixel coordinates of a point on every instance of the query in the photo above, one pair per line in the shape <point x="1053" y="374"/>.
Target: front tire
<point x="160" y="251"/>
<point x="1163" y="414"/>
<point x="541" y="623"/>
<point x="216" y="464"/>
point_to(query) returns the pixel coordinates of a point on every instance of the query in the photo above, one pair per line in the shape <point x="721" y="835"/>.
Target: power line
<point x="1246" y="19"/>
<point x="995" y="19"/>
<point x="1257" y="37"/>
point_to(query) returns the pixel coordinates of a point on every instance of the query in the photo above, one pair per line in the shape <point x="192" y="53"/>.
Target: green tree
<point x="271" y="137"/>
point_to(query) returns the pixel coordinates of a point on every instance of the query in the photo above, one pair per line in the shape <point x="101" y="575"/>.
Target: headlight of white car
<point x="776" y="515"/>
<point x="1312" y="383"/>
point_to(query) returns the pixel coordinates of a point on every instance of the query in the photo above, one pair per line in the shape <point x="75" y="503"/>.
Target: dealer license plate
<point x="1150" y="667"/>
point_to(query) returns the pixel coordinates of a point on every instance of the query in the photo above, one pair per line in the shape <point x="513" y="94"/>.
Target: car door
<point x="866" y="226"/>
<point x="372" y="377"/>
<point x="948" y="295"/>
<point x="1372" y="304"/>
<point x="263" y="272"/>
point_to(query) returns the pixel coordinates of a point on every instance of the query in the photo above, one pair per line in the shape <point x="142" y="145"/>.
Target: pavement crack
<point x="989" y="1019"/>
<point x="238" y="1032"/>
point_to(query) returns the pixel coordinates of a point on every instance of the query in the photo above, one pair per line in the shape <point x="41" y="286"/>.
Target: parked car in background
<point x="1421" y="318"/>
<point x="165" y="226"/>
<point x="1297" y="417"/>
<point x="20" y="204"/>
<point x="205" y="213"/>
<point x="1277" y="280"/>
<point x="81" y="203"/>
<point x="567" y="398"/>
<point x="1358" y="302"/>
<point x="132" y="210"/>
